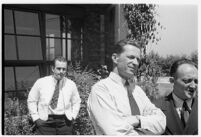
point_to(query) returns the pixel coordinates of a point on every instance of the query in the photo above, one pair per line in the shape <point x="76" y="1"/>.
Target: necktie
<point x="185" y="111"/>
<point x="55" y="96"/>
<point x="134" y="108"/>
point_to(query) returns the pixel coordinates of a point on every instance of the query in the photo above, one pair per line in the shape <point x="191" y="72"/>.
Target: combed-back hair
<point x="59" y="58"/>
<point x="118" y="47"/>
<point x="178" y="63"/>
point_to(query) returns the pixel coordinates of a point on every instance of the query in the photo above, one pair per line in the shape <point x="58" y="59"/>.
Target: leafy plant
<point x="16" y="119"/>
<point x="84" y="79"/>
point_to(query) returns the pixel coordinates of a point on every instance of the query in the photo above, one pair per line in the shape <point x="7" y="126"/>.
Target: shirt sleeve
<point x="32" y="101"/>
<point x="152" y="118"/>
<point x="105" y="115"/>
<point x="75" y="101"/>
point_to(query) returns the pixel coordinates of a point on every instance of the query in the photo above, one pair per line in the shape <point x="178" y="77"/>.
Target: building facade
<point x="33" y="34"/>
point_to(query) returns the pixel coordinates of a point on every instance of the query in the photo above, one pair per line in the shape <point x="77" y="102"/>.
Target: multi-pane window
<point x="24" y="76"/>
<point x="63" y="37"/>
<point x="32" y="40"/>
<point x="22" y="41"/>
<point x="22" y="36"/>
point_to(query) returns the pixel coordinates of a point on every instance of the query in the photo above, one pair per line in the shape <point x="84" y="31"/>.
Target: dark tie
<point x="185" y="111"/>
<point x="134" y="108"/>
<point x="55" y="97"/>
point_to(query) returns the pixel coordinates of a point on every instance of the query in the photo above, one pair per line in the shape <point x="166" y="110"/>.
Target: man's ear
<point x="115" y="58"/>
<point x="171" y="79"/>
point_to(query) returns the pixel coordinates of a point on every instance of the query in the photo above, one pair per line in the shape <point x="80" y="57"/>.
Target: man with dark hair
<point x="116" y="105"/>
<point x="54" y="101"/>
<point x="181" y="106"/>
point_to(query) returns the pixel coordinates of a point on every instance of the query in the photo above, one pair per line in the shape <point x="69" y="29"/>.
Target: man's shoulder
<point x="45" y="78"/>
<point x="69" y="81"/>
<point x="101" y="82"/>
<point x="162" y="102"/>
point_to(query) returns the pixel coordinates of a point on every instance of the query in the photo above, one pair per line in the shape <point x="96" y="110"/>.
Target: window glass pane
<point x="29" y="48"/>
<point x="8" y="21"/>
<point x="27" y="23"/>
<point x="26" y="76"/>
<point x="9" y="79"/>
<point x="53" y="26"/>
<point x="69" y="43"/>
<point x="10" y="48"/>
<point x="53" y="48"/>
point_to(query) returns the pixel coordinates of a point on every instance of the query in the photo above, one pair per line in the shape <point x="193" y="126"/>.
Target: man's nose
<point x="135" y="61"/>
<point x="61" y="70"/>
<point x="193" y="84"/>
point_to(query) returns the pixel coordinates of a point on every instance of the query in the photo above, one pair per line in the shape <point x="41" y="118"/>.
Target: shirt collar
<point x="179" y="102"/>
<point x="116" y="78"/>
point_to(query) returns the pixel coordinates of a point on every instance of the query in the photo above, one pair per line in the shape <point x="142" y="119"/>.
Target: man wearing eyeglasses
<point x="181" y="106"/>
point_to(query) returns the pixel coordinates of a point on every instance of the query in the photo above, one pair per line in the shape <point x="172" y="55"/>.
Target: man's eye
<point x="186" y="81"/>
<point x="131" y="57"/>
<point x="196" y="81"/>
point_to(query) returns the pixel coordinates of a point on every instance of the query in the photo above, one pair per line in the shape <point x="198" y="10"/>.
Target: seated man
<point x="181" y="106"/>
<point x="117" y="106"/>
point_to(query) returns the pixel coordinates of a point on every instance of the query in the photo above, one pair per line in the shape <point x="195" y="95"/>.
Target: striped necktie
<point x="133" y="105"/>
<point x="55" y="96"/>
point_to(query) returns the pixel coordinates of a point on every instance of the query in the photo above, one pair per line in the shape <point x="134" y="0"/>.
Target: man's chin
<point x="190" y="95"/>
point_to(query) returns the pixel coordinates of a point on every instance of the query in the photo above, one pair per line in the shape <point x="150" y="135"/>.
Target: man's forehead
<point x="186" y="68"/>
<point x="60" y="63"/>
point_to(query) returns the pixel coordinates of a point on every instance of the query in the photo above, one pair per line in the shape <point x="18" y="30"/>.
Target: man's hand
<point x="137" y="124"/>
<point x="39" y="122"/>
<point x="134" y="121"/>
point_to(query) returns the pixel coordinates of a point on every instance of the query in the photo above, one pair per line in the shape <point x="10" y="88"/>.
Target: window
<point x="22" y="35"/>
<point x="27" y="23"/>
<point x="10" y="48"/>
<point x="63" y="37"/>
<point x="25" y="77"/>
<point x="54" y="40"/>
<point x="29" y="47"/>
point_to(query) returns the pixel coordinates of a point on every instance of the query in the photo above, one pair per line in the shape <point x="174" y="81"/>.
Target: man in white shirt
<point x="181" y="106"/>
<point x="109" y="103"/>
<point x="54" y="101"/>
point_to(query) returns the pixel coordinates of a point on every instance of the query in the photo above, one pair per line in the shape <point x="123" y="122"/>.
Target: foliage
<point x="142" y="23"/>
<point x="194" y="57"/>
<point x="19" y="125"/>
<point x="16" y="120"/>
<point x="84" y="79"/>
<point x="149" y="67"/>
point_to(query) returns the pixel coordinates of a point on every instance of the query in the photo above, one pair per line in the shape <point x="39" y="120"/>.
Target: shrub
<point x="84" y="79"/>
<point x="16" y="120"/>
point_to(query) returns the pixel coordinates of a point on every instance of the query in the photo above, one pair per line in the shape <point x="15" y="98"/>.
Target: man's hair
<point x="60" y="59"/>
<point x="118" y="47"/>
<point x="178" y="63"/>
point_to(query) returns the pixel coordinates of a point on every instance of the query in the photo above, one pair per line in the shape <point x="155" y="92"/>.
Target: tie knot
<point x="185" y="106"/>
<point x="127" y="83"/>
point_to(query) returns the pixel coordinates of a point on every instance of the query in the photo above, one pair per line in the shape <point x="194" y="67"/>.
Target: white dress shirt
<point x="41" y="94"/>
<point x="109" y="109"/>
